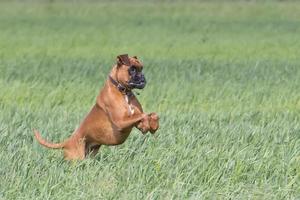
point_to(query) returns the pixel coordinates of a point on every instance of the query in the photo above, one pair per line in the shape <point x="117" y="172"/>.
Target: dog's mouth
<point x="137" y="82"/>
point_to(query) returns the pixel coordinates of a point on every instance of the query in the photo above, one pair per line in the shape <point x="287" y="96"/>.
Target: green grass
<point x="224" y="77"/>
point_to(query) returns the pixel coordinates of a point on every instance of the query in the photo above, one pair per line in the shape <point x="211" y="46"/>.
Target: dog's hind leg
<point x="75" y="150"/>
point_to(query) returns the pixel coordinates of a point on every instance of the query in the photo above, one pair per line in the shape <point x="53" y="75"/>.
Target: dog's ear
<point x="123" y="60"/>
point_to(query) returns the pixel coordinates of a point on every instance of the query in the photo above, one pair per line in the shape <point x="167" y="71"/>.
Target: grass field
<point x="224" y="78"/>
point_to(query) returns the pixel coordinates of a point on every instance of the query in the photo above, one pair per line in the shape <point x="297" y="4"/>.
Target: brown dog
<point x="113" y="116"/>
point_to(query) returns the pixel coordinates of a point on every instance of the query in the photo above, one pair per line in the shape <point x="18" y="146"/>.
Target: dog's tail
<point x="47" y="144"/>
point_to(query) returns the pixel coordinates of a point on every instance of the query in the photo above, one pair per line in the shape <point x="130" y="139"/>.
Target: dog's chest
<point x="129" y="105"/>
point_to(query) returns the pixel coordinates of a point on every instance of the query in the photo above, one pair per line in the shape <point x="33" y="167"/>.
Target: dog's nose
<point x="142" y="77"/>
<point x="139" y="76"/>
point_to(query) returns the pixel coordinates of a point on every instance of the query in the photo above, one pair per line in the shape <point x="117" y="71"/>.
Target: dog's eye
<point x="132" y="70"/>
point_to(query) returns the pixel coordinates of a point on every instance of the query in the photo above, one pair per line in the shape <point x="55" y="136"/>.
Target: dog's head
<point x="129" y="72"/>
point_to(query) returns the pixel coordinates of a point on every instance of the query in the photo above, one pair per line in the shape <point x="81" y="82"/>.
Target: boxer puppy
<point x="115" y="113"/>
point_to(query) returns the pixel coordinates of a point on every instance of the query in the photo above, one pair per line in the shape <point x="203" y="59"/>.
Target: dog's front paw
<point x="144" y="125"/>
<point x="153" y="122"/>
<point x="143" y="128"/>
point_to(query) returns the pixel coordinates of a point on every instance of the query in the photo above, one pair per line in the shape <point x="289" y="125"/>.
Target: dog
<point x="114" y="114"/>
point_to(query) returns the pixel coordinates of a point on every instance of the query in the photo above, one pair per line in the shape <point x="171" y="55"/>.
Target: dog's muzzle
<point x="138" y="81"/>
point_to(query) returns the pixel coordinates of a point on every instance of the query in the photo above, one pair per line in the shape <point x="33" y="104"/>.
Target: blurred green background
<point x="223" y="76"/>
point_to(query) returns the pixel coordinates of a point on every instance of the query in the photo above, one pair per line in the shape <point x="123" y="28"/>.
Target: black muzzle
<point x="137" y="81"/>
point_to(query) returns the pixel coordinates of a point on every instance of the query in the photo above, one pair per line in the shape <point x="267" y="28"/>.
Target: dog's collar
<point x="121" y="87"/>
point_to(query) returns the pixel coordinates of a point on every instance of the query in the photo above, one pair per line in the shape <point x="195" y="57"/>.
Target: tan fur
<point x="109" y="122"/>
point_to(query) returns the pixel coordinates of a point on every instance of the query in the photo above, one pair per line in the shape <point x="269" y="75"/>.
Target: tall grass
<point x="224" y="77"/>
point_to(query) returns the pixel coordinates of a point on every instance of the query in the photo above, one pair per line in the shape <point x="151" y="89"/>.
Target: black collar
<point x="121" y="87"/>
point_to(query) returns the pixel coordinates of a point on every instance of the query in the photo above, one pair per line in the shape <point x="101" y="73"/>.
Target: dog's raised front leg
<point x="122" y="123"/>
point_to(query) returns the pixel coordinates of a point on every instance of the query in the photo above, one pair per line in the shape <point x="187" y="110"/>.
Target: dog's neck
<point x="113" y="79"/>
